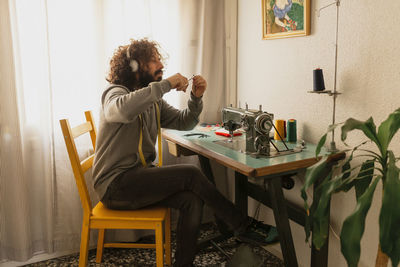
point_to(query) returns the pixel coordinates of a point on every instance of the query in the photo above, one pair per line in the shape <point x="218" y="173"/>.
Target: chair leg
<point x="83" y="256"/>
<point x="167" y="232"/>
<point x="159" y="245"/>
<point x="100" y="245"/>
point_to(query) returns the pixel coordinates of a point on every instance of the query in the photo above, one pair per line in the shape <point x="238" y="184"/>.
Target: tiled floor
<point x="207" y="257"/>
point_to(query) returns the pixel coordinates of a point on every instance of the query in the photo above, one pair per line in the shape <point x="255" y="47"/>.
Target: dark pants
<point x="183" y="187"/>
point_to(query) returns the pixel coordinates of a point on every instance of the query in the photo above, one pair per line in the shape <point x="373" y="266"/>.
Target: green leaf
<point x="346" y="167"/>
<point x="346" y="174"/>
<point x="361" y="181"/>
<point x="309" y="218"/>
<point x="368" y="128"/>
<point x="389" y="218"/>
<point x="313" y="173"/>
<point x="388" y="129"/>
<point x="353" y="227"/>
<point x="366" y="171"/>
<point x="321" y="215"/>
<point x="347" y="183"/>
<point x="321" y="143"/>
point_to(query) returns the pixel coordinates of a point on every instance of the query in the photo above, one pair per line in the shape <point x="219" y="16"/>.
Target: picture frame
<point x="285" y="18"/>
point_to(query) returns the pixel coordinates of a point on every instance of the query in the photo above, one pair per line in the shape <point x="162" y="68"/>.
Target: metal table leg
<point x="282" y="221"/>
<point x="241" y="192"/>
<point x="206" y="168"/>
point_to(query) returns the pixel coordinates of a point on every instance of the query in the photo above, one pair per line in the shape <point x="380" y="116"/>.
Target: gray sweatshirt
<point x="119" y="128"/>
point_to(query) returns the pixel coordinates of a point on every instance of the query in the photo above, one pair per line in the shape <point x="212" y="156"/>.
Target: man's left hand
<point x="199" y="86"/>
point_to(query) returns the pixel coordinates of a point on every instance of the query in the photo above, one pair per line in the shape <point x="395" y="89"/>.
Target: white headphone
<point x="132" y="63"/>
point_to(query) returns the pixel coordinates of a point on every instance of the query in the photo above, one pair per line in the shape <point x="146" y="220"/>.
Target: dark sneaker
<point x="258" y="233"/>
<point x="270" y="232"/>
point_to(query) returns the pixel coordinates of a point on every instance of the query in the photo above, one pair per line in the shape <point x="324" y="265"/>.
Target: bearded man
<point x="124" y="174"/>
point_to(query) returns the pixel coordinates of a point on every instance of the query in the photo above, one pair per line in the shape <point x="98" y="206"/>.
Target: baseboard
<point x="40" y="257"/>
<point x="37" y="258"/>
<point x="274" y="249"/>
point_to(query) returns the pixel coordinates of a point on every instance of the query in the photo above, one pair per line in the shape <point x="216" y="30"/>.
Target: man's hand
<point x="179" y="82"/>
<point x="199" y="86"/>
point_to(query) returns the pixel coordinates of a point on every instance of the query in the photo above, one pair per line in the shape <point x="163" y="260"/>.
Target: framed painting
<point x="285" y="18"/>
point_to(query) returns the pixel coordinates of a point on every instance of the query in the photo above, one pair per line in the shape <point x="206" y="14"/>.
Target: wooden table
<point x="269" y="170"/>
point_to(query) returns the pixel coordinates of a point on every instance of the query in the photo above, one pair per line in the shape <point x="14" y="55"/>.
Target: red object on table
<point x="227" y="134"/>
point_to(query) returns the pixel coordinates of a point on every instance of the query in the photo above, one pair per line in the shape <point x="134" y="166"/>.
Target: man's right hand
<point x="179" y="82"/>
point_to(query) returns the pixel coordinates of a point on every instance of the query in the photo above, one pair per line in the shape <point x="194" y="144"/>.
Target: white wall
<point x="278" y="74"/>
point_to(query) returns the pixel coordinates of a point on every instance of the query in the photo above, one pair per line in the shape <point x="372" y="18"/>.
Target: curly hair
<point x="140" y="50"/>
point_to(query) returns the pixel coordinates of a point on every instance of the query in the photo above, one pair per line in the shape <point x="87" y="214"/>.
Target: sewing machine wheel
<point x="261" y="144"/>
<point x="263" y="124"/>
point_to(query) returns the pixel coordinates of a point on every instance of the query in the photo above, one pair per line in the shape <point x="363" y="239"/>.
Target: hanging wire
<point x="319" y="10"/>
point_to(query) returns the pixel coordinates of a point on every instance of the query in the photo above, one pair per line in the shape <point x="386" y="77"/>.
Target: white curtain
<point x="204" y="43"/>
<point x="53" y="61"/>
<point x="20" y="227"/>
<point x="203" y="48"/>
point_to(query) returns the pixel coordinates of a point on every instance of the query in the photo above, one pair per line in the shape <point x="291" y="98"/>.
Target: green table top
<point x="250" y="160"/>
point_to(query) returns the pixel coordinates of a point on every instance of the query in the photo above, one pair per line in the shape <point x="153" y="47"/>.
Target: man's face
<point x="152" y="72"/>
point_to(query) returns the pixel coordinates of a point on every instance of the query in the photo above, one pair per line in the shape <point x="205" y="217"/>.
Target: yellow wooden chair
<point x="99" y="217"/>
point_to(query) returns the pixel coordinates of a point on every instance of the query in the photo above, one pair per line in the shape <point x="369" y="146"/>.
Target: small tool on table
<point x="200" y="135"/>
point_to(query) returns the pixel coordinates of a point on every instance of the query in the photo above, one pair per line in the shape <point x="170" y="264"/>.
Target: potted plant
<point x="362" y="169"/>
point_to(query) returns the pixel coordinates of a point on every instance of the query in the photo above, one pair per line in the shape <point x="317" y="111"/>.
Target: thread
<point x="318" y="78"/>
<point x="291" y="131"/>
<point x="280" y="126"/>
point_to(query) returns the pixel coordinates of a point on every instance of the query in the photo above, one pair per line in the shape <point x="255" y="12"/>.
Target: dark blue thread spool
<point x="319" y="84"/>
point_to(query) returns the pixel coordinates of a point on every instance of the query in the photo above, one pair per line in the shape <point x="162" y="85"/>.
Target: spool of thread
<point x="318" y="77"/>
<point x="291" y="131"/>
<point x="280" y="126"/>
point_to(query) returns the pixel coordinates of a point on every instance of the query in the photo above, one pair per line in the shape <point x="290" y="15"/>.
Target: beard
<point x="145" y="77"/>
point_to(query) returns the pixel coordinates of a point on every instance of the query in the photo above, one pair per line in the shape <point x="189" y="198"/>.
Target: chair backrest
<point x="80" y="167"/>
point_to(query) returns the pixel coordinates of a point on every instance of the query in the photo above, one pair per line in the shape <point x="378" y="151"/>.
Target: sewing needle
<point x="190" y="80"/>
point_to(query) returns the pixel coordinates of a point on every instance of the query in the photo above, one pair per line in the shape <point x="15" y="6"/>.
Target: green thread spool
<point x="291" y="131"/>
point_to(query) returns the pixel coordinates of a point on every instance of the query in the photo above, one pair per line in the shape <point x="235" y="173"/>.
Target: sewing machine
<point x="257" y="125"/>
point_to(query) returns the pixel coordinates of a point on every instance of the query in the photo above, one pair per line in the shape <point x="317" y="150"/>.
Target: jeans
<point x="183" y="187"/>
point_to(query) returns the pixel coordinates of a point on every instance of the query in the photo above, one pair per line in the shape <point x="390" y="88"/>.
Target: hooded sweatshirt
<point x="119" y="128"/>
